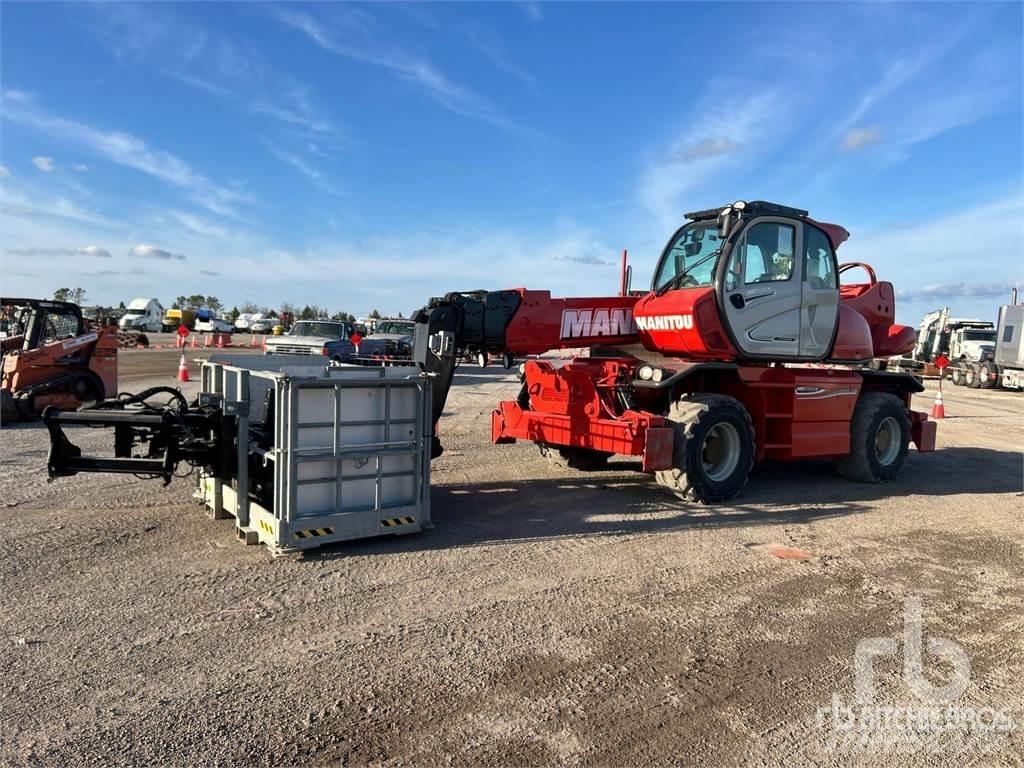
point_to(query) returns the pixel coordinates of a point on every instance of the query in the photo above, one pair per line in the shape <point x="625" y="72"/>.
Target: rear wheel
<point x="482" y="359"/>
<point x="713" y="448"/>
<point x="879" y="439"/>
<point x="972" y="376"/>
<point x="582" y="459"/>
<point x="989" y="374"/>
<point x="956" y="374"/>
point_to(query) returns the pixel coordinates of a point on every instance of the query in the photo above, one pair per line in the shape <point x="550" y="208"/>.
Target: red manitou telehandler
<point x="52" y="357"/>
<point x="746" y="347"/>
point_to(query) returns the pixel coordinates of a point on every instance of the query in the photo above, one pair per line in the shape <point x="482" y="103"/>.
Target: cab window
<point x="819" y="261"/>
<point x="767" y="252"/>
<point x="694" y="250"/>
<point x="60" y="324"/>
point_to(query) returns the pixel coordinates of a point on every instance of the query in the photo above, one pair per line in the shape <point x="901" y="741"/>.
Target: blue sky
<point x="373" y="155"/>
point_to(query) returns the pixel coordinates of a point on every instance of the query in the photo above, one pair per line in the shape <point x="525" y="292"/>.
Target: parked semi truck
<point x="143" y="314"/>
<point x="1003" y="366"/>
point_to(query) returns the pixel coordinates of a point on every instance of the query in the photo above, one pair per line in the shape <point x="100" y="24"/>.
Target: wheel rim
<point x="887" y="441"/>
<point x="720" y="452"/>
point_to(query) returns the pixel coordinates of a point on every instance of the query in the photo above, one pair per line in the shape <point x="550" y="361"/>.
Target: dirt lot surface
<point x="550" y="617"/>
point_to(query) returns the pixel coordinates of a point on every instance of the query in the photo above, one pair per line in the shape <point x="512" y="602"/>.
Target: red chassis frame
<point x="797" y="411"/>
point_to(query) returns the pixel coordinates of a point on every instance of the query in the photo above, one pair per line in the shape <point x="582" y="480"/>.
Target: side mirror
<point x="725" y="222"/>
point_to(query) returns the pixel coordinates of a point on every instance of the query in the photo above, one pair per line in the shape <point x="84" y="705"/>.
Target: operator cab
<point x="30" y="323"/>
<point x="764" y="280"/>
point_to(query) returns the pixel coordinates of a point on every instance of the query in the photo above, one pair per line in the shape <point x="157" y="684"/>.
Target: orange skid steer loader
<point x="51" y="356"/>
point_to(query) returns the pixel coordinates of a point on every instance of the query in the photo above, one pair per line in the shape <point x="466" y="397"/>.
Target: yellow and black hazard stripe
<point x="392" y="522"/>
<point x="265" y="527"/>
<point x="313" y="532"/>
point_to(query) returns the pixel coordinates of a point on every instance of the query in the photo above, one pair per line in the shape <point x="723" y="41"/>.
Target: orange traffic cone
<point x="220" y="341"/>
<point x="194" y="343"/>
<point x="207" y="340"/>
<point x="182" y="369"/>
<point x="938" y="410"/>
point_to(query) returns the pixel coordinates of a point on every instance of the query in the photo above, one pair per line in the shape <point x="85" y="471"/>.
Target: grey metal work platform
<point x="325" y="452"/>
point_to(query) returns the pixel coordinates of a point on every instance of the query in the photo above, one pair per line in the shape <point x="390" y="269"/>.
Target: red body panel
<point x="685" y="323"/>
<point x="797" y="412"/>
<point x="542" y="323"/>
<point x="875" y="302"/>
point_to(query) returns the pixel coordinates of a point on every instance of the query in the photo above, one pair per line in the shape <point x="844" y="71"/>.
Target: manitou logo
<point x="582" y="323"/>
<point x="665" y="322"/>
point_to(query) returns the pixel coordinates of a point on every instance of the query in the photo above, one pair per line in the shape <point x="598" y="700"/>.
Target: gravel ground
<point x="550" y="617"/>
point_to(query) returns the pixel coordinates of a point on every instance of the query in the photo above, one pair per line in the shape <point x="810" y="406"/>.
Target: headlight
<point x="658" y="374"/>
<point x="645" y="372"/>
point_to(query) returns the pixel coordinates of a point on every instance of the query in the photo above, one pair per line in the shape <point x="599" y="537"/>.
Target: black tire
<point x="508" y="360"/>
<point x="581" y="459"/>
<point x="879" y="439"/>
<point x="88" y="390"/>
<point x="972" y="376"/>
<point x="713" y="449"/>
<point x="482" y="359"/>
<point x="8" y="408"/>
<point x="989" y="374"/>
<point x="956" y="374"/>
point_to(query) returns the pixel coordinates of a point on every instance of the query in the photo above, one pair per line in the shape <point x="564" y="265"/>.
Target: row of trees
<point x="212" y="303"/>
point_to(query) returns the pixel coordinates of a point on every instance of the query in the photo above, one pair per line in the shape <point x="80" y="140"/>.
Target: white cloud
<point x="89" y="250"/>
<point x="533" y="10"/>
<point x="858" y="138"/>
<point x="957" y="291"/>
<point x="490" y="45"/>
<point x="967" y="258"/>
<point x="711" y="146"/>
<point x="44" y="164"/>
<point x="718" y="135"/>
<point x="351" y="34"/>
<point x="132" y="152"/>
<point x="144" y="251"/>
<point x="80" y="167"/>
<point x="4" y="173"/>
<point x="297" y="111"/>
<point x="17" y="204"/>
<point x="303" y="167"/>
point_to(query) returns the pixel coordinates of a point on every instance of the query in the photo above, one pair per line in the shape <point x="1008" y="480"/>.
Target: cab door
<point x="762" y="288"/>
<point x="820" y="294"/>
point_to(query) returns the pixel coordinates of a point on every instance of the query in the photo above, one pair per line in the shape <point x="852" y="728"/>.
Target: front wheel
<point x="482" y="359"/>
<point x="713" y="448"/>
<point x="879" y="439"/>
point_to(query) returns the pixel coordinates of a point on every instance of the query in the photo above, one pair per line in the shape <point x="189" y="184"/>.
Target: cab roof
<point x="837" y="234"/>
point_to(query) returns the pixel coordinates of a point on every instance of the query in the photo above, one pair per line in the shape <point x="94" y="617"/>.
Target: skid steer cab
<point x="52" y="356"/>
<point x="747" y="346"/>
